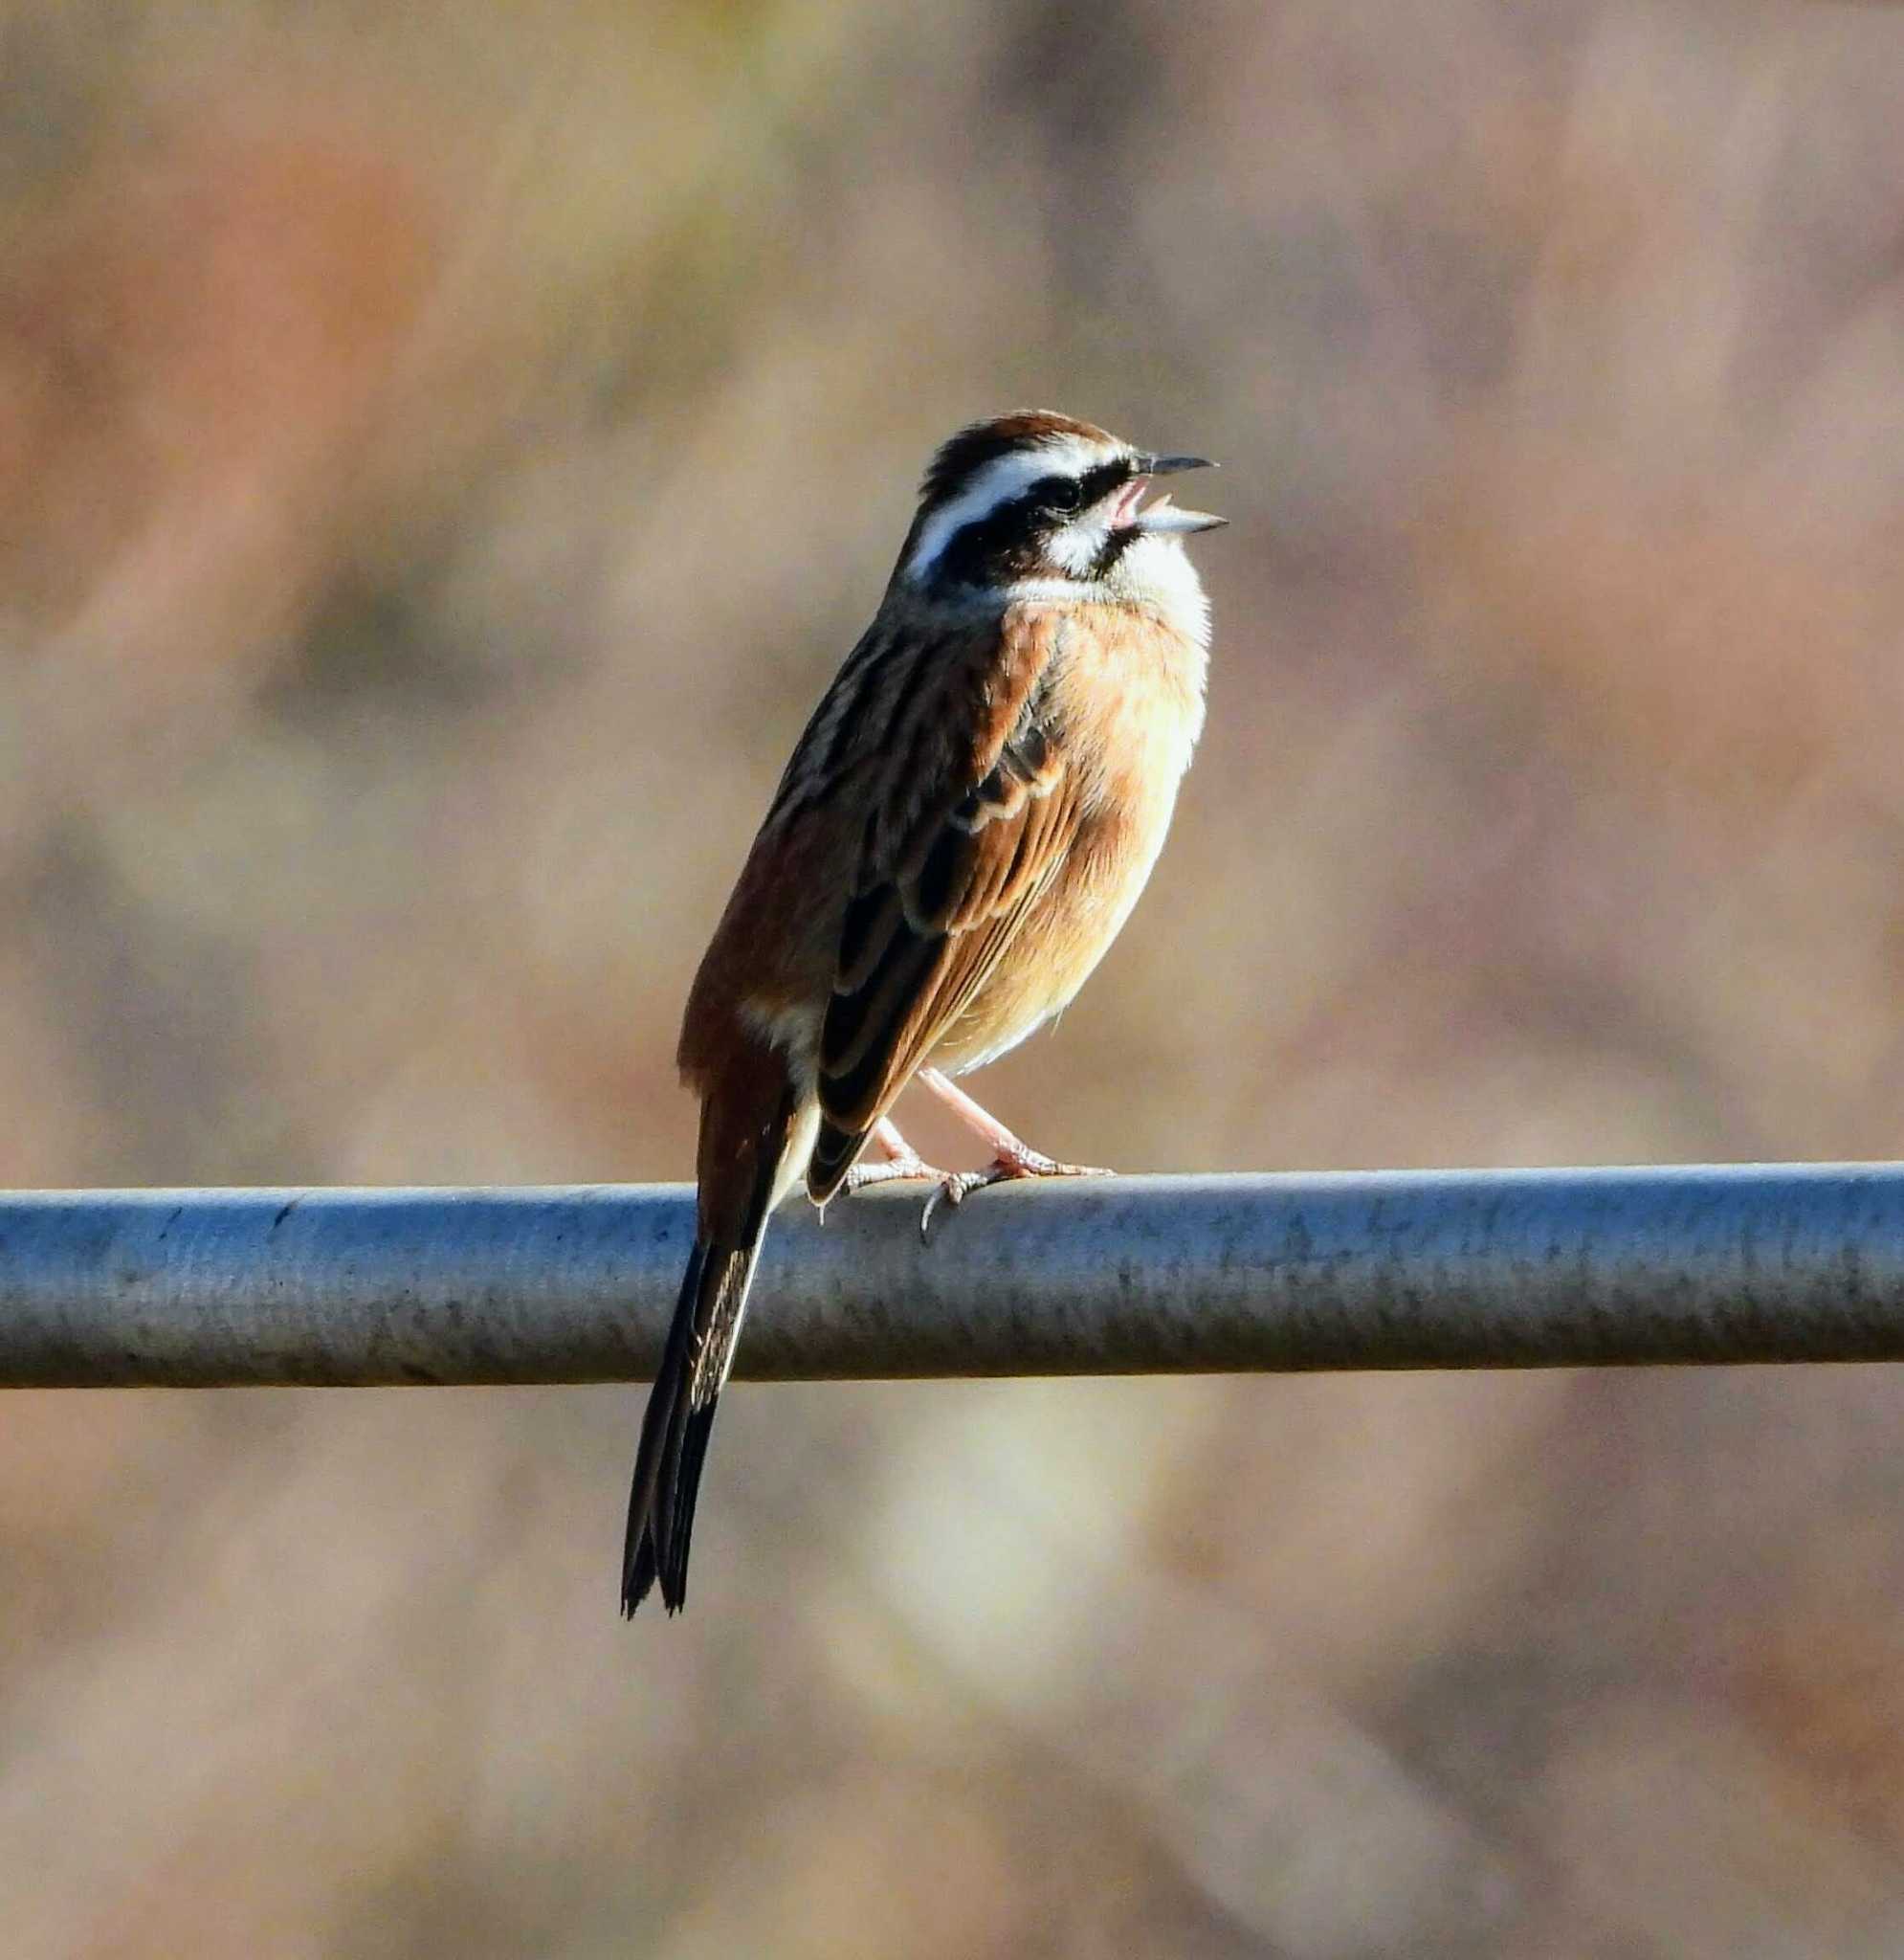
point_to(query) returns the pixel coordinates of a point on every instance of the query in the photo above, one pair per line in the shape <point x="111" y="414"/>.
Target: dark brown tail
<point x="694" y="1370"/>
<point x="674" y="1430"/>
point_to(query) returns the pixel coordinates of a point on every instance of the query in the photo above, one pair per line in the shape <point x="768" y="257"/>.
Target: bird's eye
<point x="1066" y="493"/>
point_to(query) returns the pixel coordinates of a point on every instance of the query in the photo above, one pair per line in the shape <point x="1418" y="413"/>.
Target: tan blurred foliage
<point x="443" y="450"/>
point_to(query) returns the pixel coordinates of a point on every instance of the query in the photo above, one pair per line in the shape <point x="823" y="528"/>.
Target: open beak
<point x="1164" y="516"/>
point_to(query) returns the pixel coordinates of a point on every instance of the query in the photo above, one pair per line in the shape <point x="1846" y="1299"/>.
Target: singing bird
<point x="963" y="828"/>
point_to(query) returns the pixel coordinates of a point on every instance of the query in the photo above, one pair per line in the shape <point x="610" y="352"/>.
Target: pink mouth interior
<point x="1125" y="509"/>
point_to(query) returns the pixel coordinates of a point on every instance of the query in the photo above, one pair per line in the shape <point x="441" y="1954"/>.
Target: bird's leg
<point x="1014" y="1156"/>
<point x="1011" y="1156"/>
<point x="901" y="1160"/>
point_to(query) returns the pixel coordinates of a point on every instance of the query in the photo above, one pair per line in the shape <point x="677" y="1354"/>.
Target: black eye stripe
<point x="1067" y="493"/>
<point x="985" y="550"/>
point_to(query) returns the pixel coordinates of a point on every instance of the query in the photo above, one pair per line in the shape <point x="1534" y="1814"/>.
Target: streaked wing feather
<point x="950" y="870"/>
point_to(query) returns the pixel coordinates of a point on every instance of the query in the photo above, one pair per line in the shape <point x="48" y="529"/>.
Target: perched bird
<point x="964" y="826"/>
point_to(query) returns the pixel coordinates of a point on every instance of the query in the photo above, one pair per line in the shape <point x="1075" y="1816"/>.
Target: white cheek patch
<point x="1075" y="547"/>
<point x="1155" y="573"/>
<point x="996" y="484"/>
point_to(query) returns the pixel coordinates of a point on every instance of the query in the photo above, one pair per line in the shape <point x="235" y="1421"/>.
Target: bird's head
<point x="1035" y="505"/>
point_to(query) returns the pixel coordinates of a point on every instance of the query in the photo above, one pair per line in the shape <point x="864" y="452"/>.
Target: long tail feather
<point x="694" y="1369"/>
<point x="680" y="1415"/>
<point x="667" y="1403"/>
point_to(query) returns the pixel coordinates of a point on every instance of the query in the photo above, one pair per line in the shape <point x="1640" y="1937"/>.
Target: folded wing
<point x="960" y="844"/>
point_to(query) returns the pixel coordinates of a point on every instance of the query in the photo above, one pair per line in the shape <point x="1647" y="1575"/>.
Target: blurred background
<point x="445" y="450"/>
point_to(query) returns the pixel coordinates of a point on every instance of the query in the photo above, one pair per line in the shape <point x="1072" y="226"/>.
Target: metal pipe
<point x="1388" y="1269"/>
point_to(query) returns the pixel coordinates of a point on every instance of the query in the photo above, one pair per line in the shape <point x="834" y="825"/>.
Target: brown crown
<point x="979" y="443"/>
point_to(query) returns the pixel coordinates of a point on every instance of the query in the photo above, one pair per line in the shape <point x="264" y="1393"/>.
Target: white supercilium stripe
<point x="998" y="482"/>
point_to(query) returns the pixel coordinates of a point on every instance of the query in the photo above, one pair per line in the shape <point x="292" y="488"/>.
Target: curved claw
<point x="955" y="1187"/>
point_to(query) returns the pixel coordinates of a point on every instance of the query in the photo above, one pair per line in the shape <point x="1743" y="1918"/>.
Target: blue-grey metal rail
<point x="1379" y="1270"/>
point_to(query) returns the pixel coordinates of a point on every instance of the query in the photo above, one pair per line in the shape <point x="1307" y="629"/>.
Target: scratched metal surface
<point x="1382" y="1270"/>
